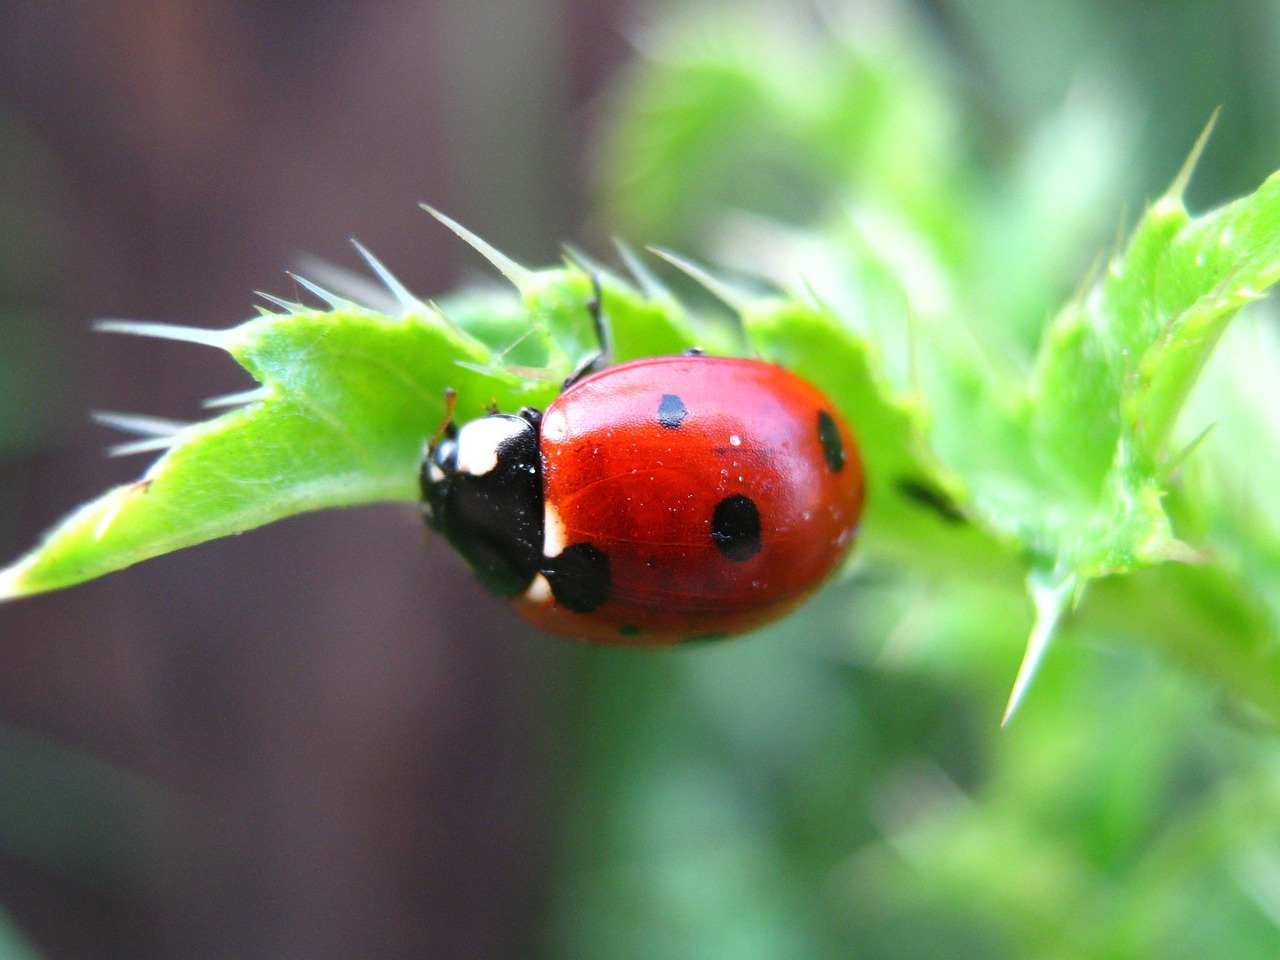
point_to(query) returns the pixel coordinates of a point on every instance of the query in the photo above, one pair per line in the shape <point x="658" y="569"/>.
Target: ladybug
<point x="661" y="501"/>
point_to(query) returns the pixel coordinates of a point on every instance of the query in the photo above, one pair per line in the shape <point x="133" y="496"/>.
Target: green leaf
<point x="973" y="468"/>
<point x="348" y="396"/>
<point x="1119" y="362"/>
<point x="1115" y="368"/>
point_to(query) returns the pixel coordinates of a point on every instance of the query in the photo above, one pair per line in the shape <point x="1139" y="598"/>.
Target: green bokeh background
<point x="838" y="786"/>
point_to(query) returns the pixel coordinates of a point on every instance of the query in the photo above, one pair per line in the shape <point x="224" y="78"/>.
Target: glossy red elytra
<point x="666" y="500"/>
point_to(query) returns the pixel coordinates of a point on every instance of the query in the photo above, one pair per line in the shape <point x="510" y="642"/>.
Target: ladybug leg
<point x="600" y="359"/>
<point x="694" y="352"/>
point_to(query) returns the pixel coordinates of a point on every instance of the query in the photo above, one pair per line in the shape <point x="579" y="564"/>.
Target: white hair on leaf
<point x="331" y="299"/>
<point x="236" y="399"/>
<point x="222" y="339"/>
<point x="347" y="287"/>
<point x="405" y="300"/>
<point x="520" y="277"/>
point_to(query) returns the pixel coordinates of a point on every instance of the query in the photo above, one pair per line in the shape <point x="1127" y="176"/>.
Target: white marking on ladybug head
<point x="553" y="534"/>
<point x="479" y="440"/>
<point x="539" y="591"/>
<point x="434" y="473"/>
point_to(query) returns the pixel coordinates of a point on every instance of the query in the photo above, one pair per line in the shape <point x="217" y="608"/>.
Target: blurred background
<point x="321" y="739"/>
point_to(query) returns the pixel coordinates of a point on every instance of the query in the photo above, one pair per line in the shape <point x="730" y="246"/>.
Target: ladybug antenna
<point x="600" y="359"/>
<point x="596" y="307"/>
<point x="446" y="428"/>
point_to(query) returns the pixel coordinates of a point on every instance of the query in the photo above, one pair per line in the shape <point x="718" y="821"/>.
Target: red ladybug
<point x="662" y="501"/>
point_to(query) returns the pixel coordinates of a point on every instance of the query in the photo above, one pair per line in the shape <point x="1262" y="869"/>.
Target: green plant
<point x="1061" y="466"/>
<point x="1062" y="469"/>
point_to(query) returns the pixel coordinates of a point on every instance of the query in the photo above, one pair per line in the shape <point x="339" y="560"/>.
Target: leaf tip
<point x="347" y="287"/>
<point x="578" y="259"/>
<point x="137" y="423"/>
<point x="12" y="580"/>
<point x="1049" y="597"/>
<point x="222" y="339"/>
<point x="650" y="285"/>
<point x="1176" y="462"/>
<point x="520" y="277"/>
<point x="238" y="398"/>
<point x="737" y="299"/>
<point x="157" y="433"/>
<point x="288" y="306"/>
<point x="330" y="298"/>
<point x="1173" y="550"/>
<point x="407" y="302"/>
<point x="1180" y="182"/>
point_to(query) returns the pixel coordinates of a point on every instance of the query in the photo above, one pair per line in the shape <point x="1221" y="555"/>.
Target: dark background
<point x="353" y="749"/>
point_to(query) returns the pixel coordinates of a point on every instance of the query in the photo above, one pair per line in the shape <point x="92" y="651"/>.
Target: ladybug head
<point x="482" y="489"/>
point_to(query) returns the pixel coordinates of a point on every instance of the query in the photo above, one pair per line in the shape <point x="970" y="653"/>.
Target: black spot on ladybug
<point x="700" y="638"/>
<point x="579" y="577"/>
<point x="931" y="497"/>
<point x="829" y="437"/>
<point x="671" y="411"/>
<point x="735" y="527"/>
<point x="629" y="630"/>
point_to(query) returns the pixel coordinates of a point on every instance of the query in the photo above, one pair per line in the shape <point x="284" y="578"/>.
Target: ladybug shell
<point x="719" y="493"/>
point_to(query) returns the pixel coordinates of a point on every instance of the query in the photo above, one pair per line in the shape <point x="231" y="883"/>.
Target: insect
<point x="660" y="501"/>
